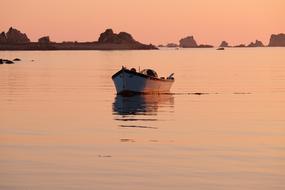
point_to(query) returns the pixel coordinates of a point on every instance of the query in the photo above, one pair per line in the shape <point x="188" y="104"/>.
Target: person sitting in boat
<point x="149" y="72"/>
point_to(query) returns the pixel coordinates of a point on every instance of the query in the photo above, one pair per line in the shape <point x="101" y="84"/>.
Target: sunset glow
<point x="159" y="21"/>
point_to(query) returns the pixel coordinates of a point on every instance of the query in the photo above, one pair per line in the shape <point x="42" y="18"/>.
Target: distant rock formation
<point x="14" y="36"/>
<point x="277" y="40"/>
<point x="205" y="46"/>
<point x="224" y="44"/>
<point x="110" y="37"/>
<point x="108" y="40"/>
<point x="172" y="45"/>
<point x="111" y="40"/>
<point x="257" y="43"/>
<point x="240" y="45"/>
<point x="44" y="40"/>
<point x="3" y="38"/>
<point x="188" y="42"/>
<point x="126" y="37"/>
<point x="160" y="45"/>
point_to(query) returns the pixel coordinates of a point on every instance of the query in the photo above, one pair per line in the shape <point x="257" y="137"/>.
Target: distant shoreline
<point x="108" y="40"/>
<point x="15" y="40"/>
<point x="52" y="46"/>
<point x="88" y="46"/>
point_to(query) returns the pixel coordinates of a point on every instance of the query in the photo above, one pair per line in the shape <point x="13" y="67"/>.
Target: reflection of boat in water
<point x="146" y="81"/>
<point x="141" y="104"/>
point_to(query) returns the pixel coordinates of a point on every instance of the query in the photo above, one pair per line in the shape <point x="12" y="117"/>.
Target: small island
<point x="277" y="40"/>
<point x="190" y="42"/>
<point x="108" y="40"/>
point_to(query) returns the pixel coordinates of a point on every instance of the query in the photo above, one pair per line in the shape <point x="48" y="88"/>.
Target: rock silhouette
<point x="257" y="43"/>
<point x="240" y="45"/>
<point x="277" y="40"/>
<point x="108" y="40"/>
<point x="110" y="37"/>
<point x="224" y="44"/>
<point x="44" y="40"/>
<point x="188" y="42"/>
<point x="205" y="46"/>
<point x="14" y="36"/>
<point x="172" y="45"/>
<point x="3" y="38"/>
<point x="7" y="61"/>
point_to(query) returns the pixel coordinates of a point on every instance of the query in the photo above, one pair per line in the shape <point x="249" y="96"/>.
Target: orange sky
<point x="149" y="21"/>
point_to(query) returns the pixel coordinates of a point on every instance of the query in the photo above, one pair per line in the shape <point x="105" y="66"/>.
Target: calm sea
<point x="222" y="127"/>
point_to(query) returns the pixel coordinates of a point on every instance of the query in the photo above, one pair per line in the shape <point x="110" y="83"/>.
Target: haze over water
<point x="222" y="126"/>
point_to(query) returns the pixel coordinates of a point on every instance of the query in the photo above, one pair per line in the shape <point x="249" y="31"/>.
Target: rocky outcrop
<point x="224" y="44"/>
<point x="257" y="43"/>
<point x="277" y="40"/>
<point x="109" y="40"/>
<point x="188" y="42"/>
<point x="44" y="40"/>
<point x="240" y="45"/>
<point x="172" y="45"/>
<point x="110" y="37"/>
<point x="126" y="37"/>
<point x="14" y="36"/>
<point x="3" y="38"/>
<point x="205" y="46"/>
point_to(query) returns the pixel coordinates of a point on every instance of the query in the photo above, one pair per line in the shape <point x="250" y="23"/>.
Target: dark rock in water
<point x="14" y="36"/>
<point x="1" y="61"/>
<point x="17" y="59"/>
<point x="205" y="46"/>
<point x="224" y="44"/>
<point x="221" y="48"/>
<point x="3" y="38"/>
<point x="160" y="45"/>
<point x="277" y="40"/>
<point x="44" y="40"/>
<point x="256" y="44"/>
<point x="172" y="45"/>
<point x="8" y="61"/>
<point x="188" y="42"/>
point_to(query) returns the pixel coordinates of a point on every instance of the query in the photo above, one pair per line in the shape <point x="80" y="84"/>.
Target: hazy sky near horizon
<point x="149" y="21"/>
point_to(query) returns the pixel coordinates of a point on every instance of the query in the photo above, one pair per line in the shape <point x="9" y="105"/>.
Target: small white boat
<point x="129" y="81"/>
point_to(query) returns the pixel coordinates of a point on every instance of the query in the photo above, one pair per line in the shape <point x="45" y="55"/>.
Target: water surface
<point x="62" y="126"/>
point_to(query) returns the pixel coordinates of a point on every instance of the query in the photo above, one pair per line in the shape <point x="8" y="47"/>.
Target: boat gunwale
<point x="141" y="75"/>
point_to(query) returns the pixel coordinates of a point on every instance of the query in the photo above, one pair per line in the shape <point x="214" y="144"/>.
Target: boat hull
<point x="130" y="82"/>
